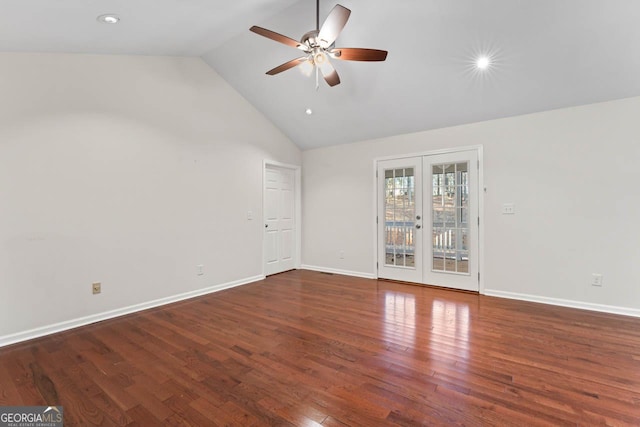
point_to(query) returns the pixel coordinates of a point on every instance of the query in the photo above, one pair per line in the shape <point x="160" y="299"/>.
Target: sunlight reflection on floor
<point x="400" y="318"/>
<point x="450" y="323"/>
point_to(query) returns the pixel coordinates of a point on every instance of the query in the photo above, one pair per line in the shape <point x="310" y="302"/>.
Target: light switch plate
<point x="596" y="279"/>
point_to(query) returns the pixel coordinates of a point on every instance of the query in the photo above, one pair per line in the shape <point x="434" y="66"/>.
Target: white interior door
<point x="400" y="219"/>
<point x="428" y="220"/>
<point x="279" y="220"/>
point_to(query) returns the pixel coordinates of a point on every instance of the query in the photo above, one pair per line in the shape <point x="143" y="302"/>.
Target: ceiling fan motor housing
<point x="310" y="38"/>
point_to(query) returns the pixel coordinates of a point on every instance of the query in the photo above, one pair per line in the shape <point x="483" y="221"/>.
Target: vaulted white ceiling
<point x="546" y="54"/>
<point x="147" y="27"/>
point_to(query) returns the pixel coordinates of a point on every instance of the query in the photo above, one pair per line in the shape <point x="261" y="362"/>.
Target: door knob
<point x="266" y="226"/>
<point x="418" y="217"/>
<point x="418" y="226"/>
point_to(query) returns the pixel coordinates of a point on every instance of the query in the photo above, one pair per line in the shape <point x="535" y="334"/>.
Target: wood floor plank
<point x="22" y="377"/>
<point x="76" y="396"/>
<point x="150" y="401"/>
<point x="8" y="391"/>
<point x="142" y="417"/>
<point x="306" y="348"/>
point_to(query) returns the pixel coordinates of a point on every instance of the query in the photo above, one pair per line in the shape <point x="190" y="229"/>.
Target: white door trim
<point x="481" y="192"/>
<point x="298" y="208"/>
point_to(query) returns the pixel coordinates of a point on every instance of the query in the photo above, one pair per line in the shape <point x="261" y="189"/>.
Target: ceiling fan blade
<point x="329" y="73"/>
<point x="279" y="38"/>
<point x="287" y="65"/>
<point x="358" y="54"/>
<point x="333" y="25"/>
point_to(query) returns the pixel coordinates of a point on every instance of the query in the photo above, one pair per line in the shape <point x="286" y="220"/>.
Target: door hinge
<point x="376" y="174"/>
<point x="377" y="265"/>
<point x="376" y="220"/>
<point x="478" y="277"/>
<point x="478" y="220"/>
<point x="478" y="164"/>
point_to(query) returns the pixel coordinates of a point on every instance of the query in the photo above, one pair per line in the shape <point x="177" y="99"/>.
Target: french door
<point x="428" y="220"/>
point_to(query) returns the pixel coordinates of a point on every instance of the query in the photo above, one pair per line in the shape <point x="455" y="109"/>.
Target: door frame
<point x="481" y="192"/>
<point x="297" y="209"/>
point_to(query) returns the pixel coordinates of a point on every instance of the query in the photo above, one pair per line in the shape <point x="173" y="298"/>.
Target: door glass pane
<point x="450" y="217"/>
<point x="464" y="242"/>
<point x="463" y="215"/>
<point x="463" y="261"/>
<point x="438" y="248"/>
<point x="399" y="217"/>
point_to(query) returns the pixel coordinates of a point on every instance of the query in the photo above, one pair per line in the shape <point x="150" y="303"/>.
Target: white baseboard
<point x="74" y="323"/>
<point x="338" y="271"/>
<point x="625" y="311"/>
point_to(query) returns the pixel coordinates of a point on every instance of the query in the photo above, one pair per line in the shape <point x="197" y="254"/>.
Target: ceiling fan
<point x="319" y="46"/>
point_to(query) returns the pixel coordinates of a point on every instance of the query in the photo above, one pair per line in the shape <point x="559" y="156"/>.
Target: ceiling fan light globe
<point x="307" y="68"/>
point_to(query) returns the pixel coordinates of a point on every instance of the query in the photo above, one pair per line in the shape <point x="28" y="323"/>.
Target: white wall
<point x="125" y="170"/>
<point x="572" y="174"/>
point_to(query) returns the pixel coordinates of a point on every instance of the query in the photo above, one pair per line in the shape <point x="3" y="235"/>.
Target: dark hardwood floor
<point x="305" y="348"/>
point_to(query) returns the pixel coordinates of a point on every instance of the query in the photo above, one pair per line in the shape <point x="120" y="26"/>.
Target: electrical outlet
<point x="96" y="287"/>
<point x="508" y="209"/>
<point x="596" y="279"/>
<point x="200" y="270"/>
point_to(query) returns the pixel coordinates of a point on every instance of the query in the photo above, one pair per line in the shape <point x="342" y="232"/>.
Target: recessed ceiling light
<point x="483" y="62"/>
<point x="108" y="19"/>
<point x="308" y="111"/>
